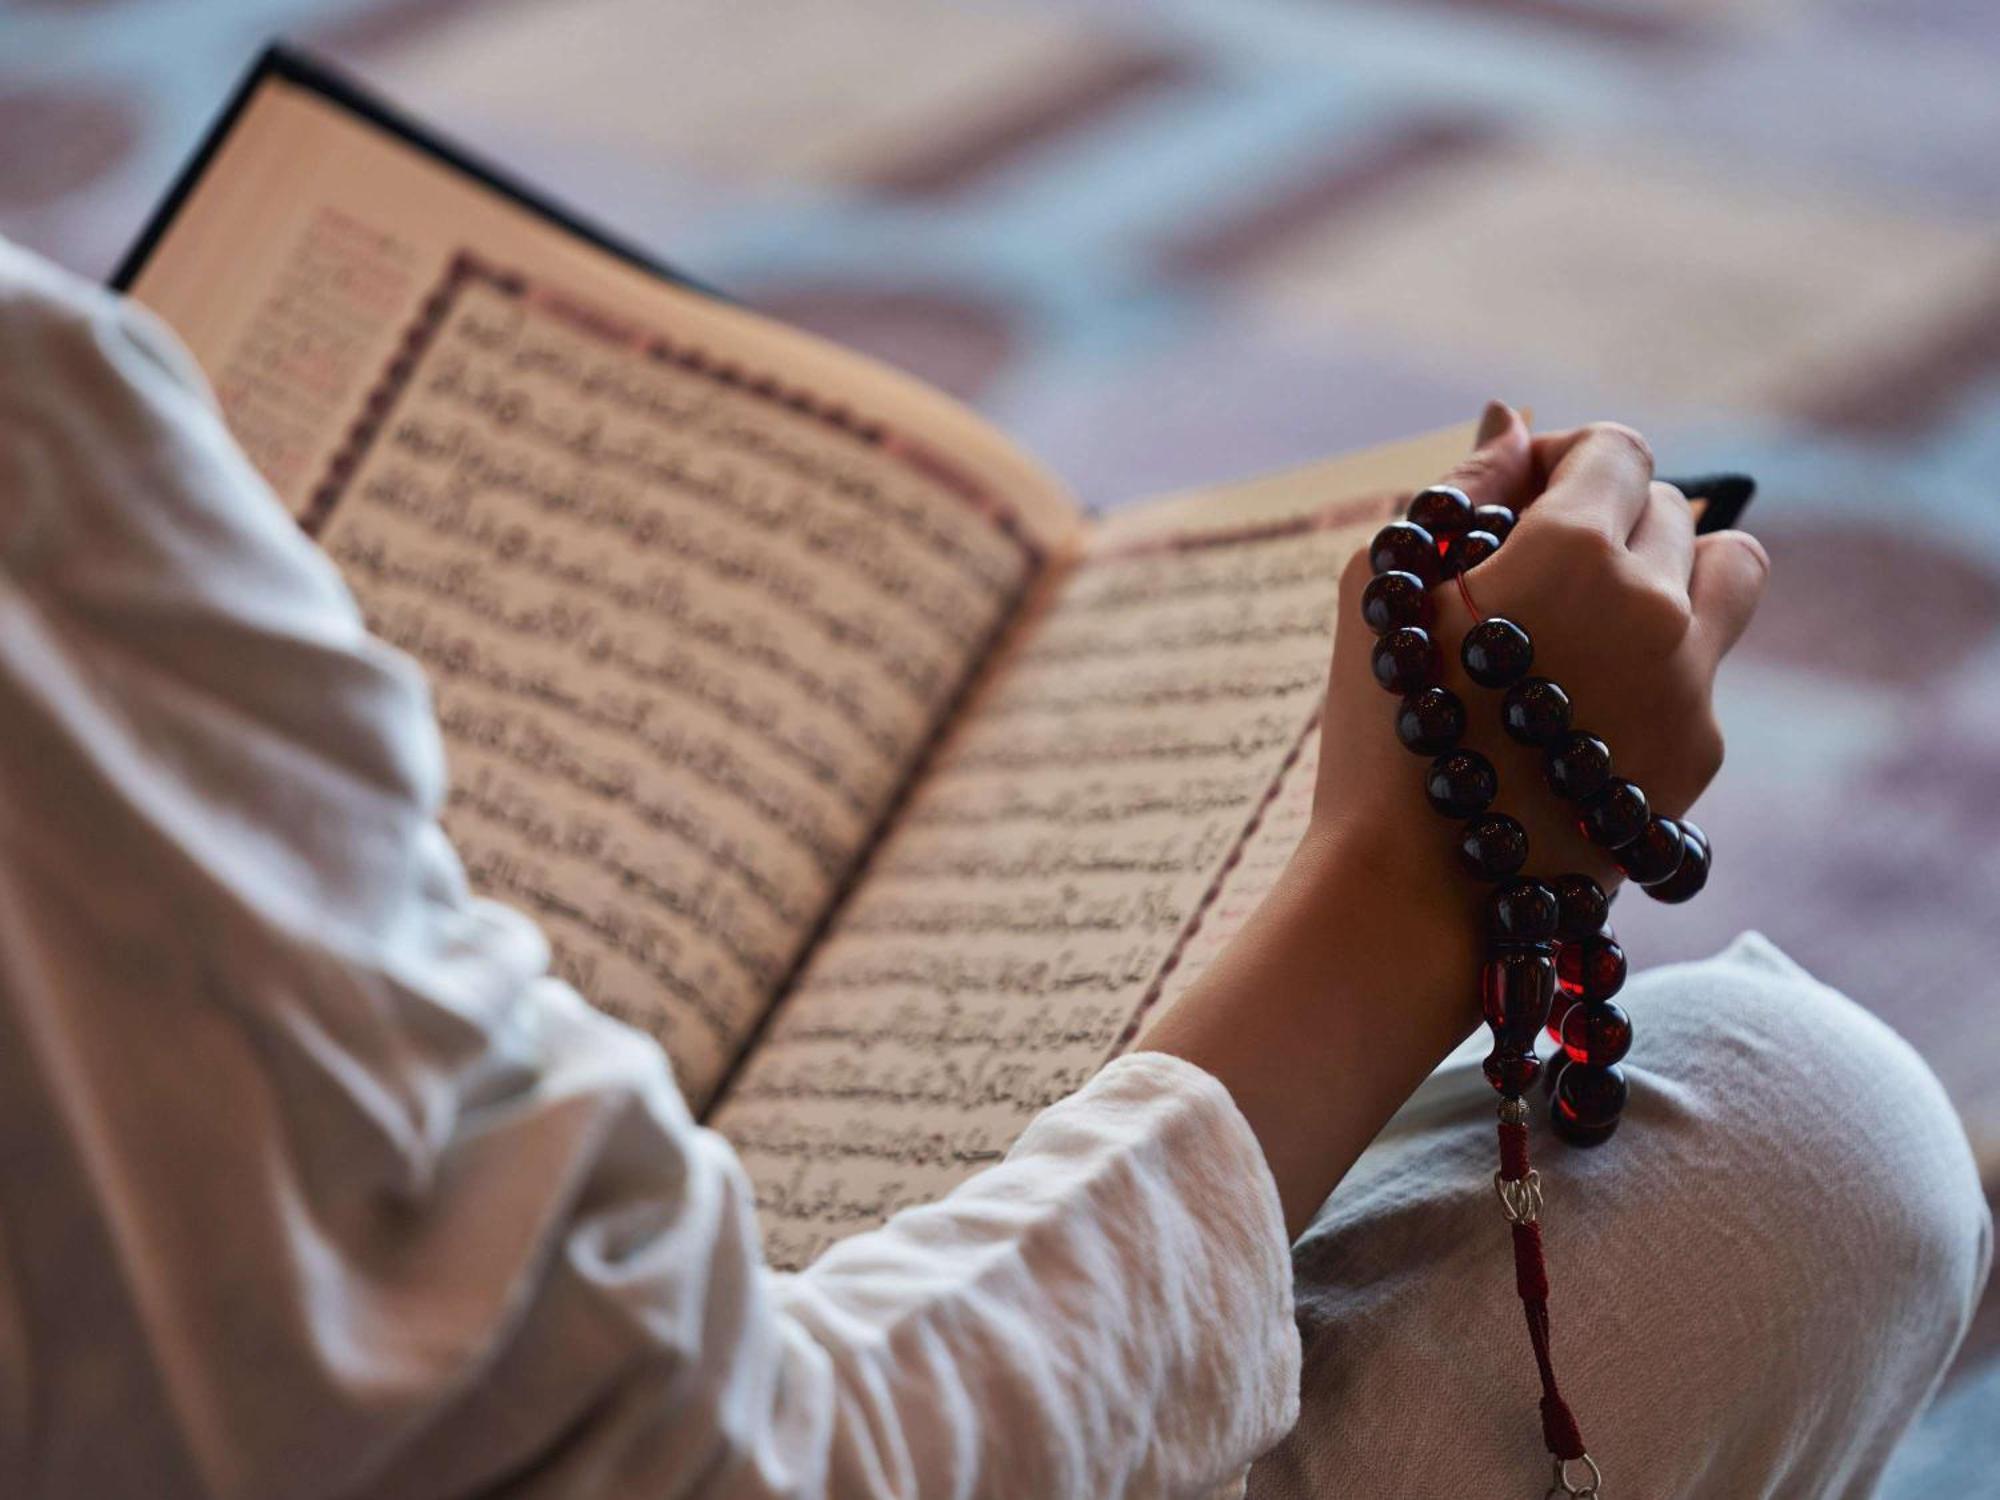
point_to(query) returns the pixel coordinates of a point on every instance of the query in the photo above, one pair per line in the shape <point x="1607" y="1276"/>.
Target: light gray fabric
<point x="1757" y="1282"/>
<point x="314" y="1184"/>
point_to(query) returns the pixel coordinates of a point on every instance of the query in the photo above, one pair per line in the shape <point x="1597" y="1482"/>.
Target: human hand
<point x="1356" y="974"/>
<point x="1629" y="611"/>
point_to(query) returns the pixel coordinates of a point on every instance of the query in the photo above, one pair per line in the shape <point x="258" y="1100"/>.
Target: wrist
<point x="1352" y="980"/>
<point x="1399" y="925"/>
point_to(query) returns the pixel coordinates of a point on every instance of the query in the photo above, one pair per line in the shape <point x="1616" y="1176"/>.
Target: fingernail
<point x="1492" y="422"/>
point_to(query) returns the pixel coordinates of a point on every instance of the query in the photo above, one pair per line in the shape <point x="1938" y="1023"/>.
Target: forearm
<point x="1350" y="983"/>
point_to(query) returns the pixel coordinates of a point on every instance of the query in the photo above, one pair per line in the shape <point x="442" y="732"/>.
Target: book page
<point x="693" y="593"/>
<point x="1133" y="771"/>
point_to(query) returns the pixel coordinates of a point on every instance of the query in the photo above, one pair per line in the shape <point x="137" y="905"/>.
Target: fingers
<point x="1499" y="470"/>
<point x="1663" y="541"/>
<point x="1730" y="570"/>
<point x="1598" y="477"/>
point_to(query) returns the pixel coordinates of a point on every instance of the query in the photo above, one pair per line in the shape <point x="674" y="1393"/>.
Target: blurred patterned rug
<point x="1178" y="244"/>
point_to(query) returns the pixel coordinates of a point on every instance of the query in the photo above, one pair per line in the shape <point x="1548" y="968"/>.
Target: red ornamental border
<point x="1209" y="897"/>
<point x="1329" y="517"/>
<point x="1339" y="513"/>
<point x="466" y="269"/>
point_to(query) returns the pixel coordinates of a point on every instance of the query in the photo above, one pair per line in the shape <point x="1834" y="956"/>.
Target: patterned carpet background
<point x="1182" y="242"/>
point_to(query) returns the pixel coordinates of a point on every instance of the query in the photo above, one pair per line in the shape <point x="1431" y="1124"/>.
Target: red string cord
<point x="1531" y="1280"/>
<point x="1465" y="593"/>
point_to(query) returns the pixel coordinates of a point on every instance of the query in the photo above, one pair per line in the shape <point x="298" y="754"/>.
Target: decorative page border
<point x="466" y="269"/>
<point x="1330" y="517"/>
<point x="1209" y="897"/>
<point x="1337" y="514"/>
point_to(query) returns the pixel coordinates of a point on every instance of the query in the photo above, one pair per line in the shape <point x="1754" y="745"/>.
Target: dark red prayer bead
<point x="1569" y="973"/>
<point x="1522" y="911"/>
<point x="1407" y="660"/>
<point x="1402" y="546"/>
<point x="1616" y="815"/>
<point x="1590" y="1096"/>
<point x="1512" y="1073"/>
<point x="1492" y="846"/>
<point x="1583" y="904"/>
<point x="1535" y="712"/>
<point x="1441" y="510"/>
<point x="1468" y="550"/>
<point x="1604" y="966"/>
<point x="1687" y="881"/>
<point x="1394" y="600"/>
<point x="1516" y="988"/>
<point x="1496" y="519"/>
<point x="1578" y="765"/>
<point x="1591" y="969"/>
<point x="1461" y="783"/>
<point x="1597" y="1031"/>
<point x="1497" y="653"/>
<point x="1655" y="854"/>
<point x="1430" y="722"/>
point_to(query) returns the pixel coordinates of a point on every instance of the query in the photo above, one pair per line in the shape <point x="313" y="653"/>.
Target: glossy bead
<point x="1568" y="1130"/>
<point x="1522" y="911"/>
<point x="1497" y="653"/>
<point x="1441" y="510"/>
<point x="1516" y="988"/>
<point x="1401" y="547"/>
<point x="1578" y="765"/>
<point x="1597" y="1032"/>
<point x="1616" y="815"/>
<point x="1686" y="882"/>
<point x="1496" y="520"/>
<point x="1655" y="854"/>
<point x="1430" y="722"/>
<point x="1461" y="783"/>
<point x="1583" y="905"/>
<point x="1590" y="1096"/>
<point x="1394" y="600"/>
<point x="1569" y="974"/>
<point x="1511" y="1072"/>
<point x="1468" y="550"/>
<point x="1492" y="846"/>
<point x="1407" y="660"/>
<point x="1591" y="969"/>
<point x="1692" y="832"/>
<point x="1535" y="712"/>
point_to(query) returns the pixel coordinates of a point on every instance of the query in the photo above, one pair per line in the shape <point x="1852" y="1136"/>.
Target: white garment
<point x="315" y="1184"/>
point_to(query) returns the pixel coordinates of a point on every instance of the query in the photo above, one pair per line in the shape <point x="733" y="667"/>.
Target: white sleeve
<point x="318" y="1185"/>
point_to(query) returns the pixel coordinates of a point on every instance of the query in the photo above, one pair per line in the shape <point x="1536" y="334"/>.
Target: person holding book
<point x="321" y="1183"/>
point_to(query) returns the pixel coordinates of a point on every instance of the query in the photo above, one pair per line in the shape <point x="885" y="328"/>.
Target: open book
<point x="826" y="739"/>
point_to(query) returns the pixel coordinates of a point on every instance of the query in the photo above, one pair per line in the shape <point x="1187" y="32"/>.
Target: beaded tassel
<point x="1520" y="1188"/>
